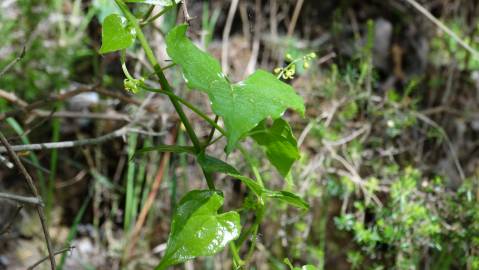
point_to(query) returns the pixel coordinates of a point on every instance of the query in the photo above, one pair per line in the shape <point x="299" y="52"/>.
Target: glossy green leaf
<point x="116" y="34"/>
<point x="167" y="148"/>
<point x="287" y="197"/>
<point x="155" y="2"/>
<point x="197" y="229"/>
<point x="242" y="105"/>
<point x="212" y="165"/>
<point x="280" y="143"/>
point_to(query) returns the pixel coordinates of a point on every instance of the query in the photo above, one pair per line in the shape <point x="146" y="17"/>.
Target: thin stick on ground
<point x="45" y="101"/>
<point x="294" y="19"/>
<point x="25" y="107"/>
<point x="11" y="64"/>
<point x="61" y="251"/>
<point x="7" y="227"/>
<point x="186" y="14"/>
<point x="34" y="191"/>
<point x="443" y="27"/>
<point x="226" y="35"/>
<point x="67" y="144"/>
<point x="21" y="199"/>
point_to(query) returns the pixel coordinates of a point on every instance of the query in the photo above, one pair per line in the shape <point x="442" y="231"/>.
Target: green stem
<point x="215" y="140"/>
<point x="163" y="81"/>
<point x="123" y="65"/>
<point x="257" y="222"/>
<point x="254" y="227"/>
<point x="163" y="11"/>
<point x="212" y="132"/>
<point x="236" y="257"/>
<point x="189" y="106"/>
<point x="252" y="164"/>
<point x="148" y="13"/>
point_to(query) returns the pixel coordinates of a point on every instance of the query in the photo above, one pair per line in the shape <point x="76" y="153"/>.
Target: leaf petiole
<point x="156" y="16"/>
<point x="189" y="106"/>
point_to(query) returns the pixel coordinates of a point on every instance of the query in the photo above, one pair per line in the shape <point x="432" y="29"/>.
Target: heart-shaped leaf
<point x="116" y="34"/>
<point x="242" y="105"/>
<point x="197" y="229"/>
<point x="280" y="143"/>
<point x="155" y="2"/>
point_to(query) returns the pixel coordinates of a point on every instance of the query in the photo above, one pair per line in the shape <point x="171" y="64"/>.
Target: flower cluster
<point x="289" y="71"/>
<point x="133" y="85"/>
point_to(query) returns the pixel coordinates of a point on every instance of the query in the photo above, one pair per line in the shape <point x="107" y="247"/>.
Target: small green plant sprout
<point x="289" y="71"/>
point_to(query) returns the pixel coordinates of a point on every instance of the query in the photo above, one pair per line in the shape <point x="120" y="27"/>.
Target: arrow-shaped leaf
<point x="242" y="105"/>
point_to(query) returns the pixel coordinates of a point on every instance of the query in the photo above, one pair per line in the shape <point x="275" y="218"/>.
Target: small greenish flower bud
<point x="288" y="74"/>
<point x="133" y="85"/>
<point x="289" y="57"/>
<point x="277" y="70"/>
<point x="306" y="65"/>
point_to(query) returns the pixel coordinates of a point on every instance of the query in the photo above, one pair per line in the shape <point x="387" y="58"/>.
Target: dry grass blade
<point x="443" y="27"/>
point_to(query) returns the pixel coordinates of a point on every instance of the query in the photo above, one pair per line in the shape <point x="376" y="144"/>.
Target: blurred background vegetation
<point x="390" y="142"/>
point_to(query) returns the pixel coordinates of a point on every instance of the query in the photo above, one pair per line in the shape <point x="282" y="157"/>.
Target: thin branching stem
<point x="34" y="191"/>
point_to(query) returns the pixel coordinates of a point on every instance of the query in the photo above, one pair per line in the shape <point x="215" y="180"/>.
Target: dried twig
<point x="12" y="98"/>
<point x="6" y="162"/>
<point x="348" y="138"/>
<point x="21" y="199"/>
<point x="34" y="191"/>
<point x="45" y="258"/>
<point x="435" y="125"/>
<point x="443" y="27"/>
<point x="11" y="64"/>
<point x="294" y="19"/>
<point x="184" y="7"/>
<point x="61" y="97"/>
<point x="45" y="101"/>
<point x="226" y="35"/>
<point x="256" y="40"/>
<point x="67" y="144"/>
<point x="75" y="114"/>
<point x="7" y="227"/>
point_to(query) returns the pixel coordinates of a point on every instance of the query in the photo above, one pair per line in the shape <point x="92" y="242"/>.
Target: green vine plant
<point x="200" y="226"/>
